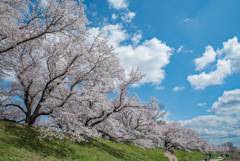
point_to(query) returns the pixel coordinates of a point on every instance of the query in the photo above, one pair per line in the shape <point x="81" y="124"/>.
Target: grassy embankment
<point x="21" y="143"/>
<point x="195" y="156"/>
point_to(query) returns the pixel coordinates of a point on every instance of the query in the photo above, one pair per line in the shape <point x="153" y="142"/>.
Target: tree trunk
<point x="30" y="121"/>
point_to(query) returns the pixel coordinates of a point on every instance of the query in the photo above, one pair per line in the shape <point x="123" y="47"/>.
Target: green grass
<point x="195" y="156"/>
<point x="21" y="143"/>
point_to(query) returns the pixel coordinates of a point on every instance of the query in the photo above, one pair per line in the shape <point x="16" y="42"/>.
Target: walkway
<point x="220" y="158"/>
<point x="170" y="156"/>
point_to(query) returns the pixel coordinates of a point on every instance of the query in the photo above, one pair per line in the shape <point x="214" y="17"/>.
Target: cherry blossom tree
<point x="134" y="125"/>
<point x="230" y="146"/>
<point x="56" y="74"/>
<point x="187" y="139"/>
<point x="171" y="133"/>
<point x="23" y="21"/>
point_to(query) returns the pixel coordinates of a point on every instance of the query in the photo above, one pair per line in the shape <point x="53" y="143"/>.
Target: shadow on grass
<point x="117" y="153"/>
<point x="27" y="138"/>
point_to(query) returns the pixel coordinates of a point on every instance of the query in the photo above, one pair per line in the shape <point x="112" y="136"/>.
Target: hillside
<point x="21" y="143"/>
<point x="194" y="156"/>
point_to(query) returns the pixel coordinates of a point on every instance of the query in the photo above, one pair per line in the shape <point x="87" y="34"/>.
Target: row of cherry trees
<point x="187" y="139"/>
<point x="64" y="83"/>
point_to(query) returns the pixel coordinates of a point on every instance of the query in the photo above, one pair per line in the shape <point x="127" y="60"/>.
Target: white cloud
<point x="215" y="133"/>
<point x="202" y="104"/>
<point x="208" y="121"/>
<point x="118" y="4"/>
<point x="188" y="20"/>
<point x="178" y="88"/>
<point x="180" y="49"/>
<point x="187" y="51"/>
<point x="210" y="127"/>
<point x="44" y="3"/>
<point x="165" y="118"/>
<point x="127" y="17"/>
<point x="151" y="56"/>
<point x="114" y="16"/>
<point x="11" y="76"/>
<point x="105" y="20"/>
<point x="116" y="34"/>
<point x="93" y="5"/>
<point x="227" y="110"/>
<point x="231" y="48"/>
<point x="228" y="103"/>
<point x="136" y="38"/>
<point x="209" y="56"/>
<point x="94" y="14"/>
<point x="159" y="87"/>
<point x="213" y="78"/>
<point x="226" y="65"/>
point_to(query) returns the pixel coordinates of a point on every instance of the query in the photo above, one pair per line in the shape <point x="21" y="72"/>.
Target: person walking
<point x="205" y="157"/>
<point x="208" y="158"/>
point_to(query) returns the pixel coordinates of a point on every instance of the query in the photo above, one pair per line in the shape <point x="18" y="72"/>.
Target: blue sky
<point x="190" y="53"/>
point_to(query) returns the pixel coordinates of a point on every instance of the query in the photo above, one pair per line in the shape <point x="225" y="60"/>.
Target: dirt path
<point x="170" y="156"/>
<point x="220" y="158"/>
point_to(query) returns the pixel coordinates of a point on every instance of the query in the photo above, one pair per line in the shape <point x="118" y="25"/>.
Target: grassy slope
<point x="21" y="143"/>
<point x="195" y="156"/>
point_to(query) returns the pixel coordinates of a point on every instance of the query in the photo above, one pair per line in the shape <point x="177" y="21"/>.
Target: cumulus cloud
<point x="115" y="33"/>
<point x="216" y="129"/>
<point x="118" y="4"/>
<point x="215" y="133"/>
<point x="151" y="56"/>
<point x="136" y="38"/>
<point x="208" y="121"/>
<point x="202" y="104"/>
<point x="178" y="88"/>
<point x="127" y="17"/>
<point x="225" y="124"/>
<point x="227" y="63"/>
<point x="114" y="16"/>
<point x="228" y="103"/>
<point x="209" y="56"/>
<point x="231" y="49"/>
<point x="200" y="81"/>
